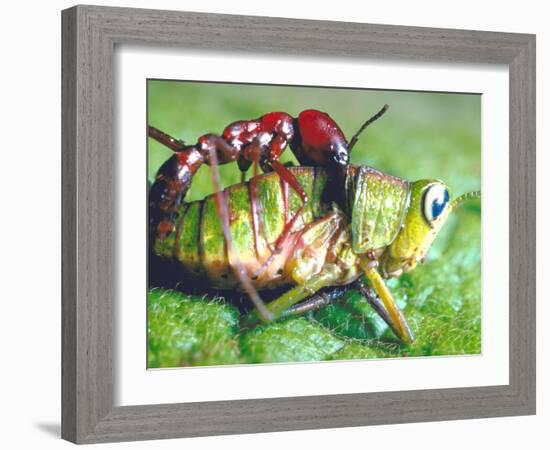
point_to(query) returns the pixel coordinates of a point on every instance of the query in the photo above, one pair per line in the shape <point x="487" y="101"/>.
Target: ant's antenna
<point x="377" y="116"/>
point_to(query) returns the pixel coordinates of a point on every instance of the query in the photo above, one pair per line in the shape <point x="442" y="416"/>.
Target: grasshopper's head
<point x="429" y="208"/>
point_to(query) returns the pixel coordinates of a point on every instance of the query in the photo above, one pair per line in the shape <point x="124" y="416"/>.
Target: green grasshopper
<point x="264" y="234"/>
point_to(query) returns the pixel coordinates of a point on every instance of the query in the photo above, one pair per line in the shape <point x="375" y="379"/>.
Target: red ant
<point x="314" y="138"/>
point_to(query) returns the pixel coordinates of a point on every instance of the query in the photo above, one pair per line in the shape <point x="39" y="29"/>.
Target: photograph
<point x="295" y="224"/>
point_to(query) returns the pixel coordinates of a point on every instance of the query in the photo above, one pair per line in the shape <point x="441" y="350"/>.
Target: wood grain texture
<point x="68" y="225"/>
<point x="89" y="201"/>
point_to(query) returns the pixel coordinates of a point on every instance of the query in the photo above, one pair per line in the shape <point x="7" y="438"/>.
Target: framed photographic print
<point x="308" y="230"/>
<point x="282" y="241"/>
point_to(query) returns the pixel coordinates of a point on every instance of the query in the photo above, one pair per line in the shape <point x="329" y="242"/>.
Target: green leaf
<point x="187" y="331"/>
<point x="365" y="350"/>
<point x="290" y="340"/>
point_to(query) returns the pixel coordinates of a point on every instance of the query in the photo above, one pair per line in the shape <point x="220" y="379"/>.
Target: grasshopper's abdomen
<point x="257" y="216"/>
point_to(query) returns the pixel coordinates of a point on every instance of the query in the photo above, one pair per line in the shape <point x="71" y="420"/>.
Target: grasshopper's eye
<point x="436" y="199"/>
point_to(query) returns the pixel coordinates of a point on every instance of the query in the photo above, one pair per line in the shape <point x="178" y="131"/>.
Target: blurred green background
<point x="423" y="135"/>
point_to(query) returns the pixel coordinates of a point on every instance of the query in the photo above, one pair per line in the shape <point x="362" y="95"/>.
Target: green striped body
<point x="376" y="206"/>
<point x="255" y="222"/>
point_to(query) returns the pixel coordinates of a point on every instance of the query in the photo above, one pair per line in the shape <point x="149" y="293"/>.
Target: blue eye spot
<point x="438" y="205"/>
<point x="436" y="199"/>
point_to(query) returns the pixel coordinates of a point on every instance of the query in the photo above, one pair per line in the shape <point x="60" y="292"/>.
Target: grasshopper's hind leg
<point x="326" y="278"/>
<point x="318" y="301"/>
<point x="290" y="298"/>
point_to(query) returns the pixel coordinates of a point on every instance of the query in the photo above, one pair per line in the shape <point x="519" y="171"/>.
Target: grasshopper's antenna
<point x="374" y="118"/>
<point x="465" y="197"/>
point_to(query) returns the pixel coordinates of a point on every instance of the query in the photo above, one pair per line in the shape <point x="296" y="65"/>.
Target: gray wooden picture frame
<point x="90" y="34"/>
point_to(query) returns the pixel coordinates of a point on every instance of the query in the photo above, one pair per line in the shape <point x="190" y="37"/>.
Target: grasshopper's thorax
<point x="376" y="206"/>
<point x="392" y="220"/>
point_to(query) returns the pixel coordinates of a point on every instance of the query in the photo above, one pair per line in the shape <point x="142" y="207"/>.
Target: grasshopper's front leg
<point x="385" y="304"/>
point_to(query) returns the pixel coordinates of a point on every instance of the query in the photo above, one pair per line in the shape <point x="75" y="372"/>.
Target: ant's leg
<point x="223" y="213"/>
<point x="244" y="164"/>
<point x="243" y="176"/>
<point x="258" y="214"/>
<point x="251" y="156"/>
<point x="277" y="146"/>
<point x="287" y="177"/>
